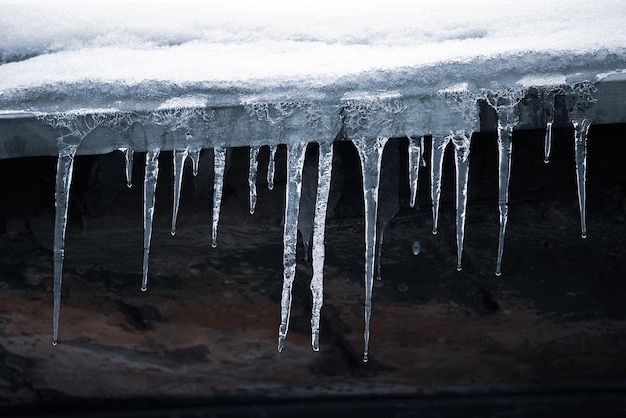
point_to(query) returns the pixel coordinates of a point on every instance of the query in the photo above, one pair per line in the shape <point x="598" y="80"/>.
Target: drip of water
<point x="415" y="159"/>
<point x="194" y="154"/>
<point x="295" y="162"/>
<point x="324" y="175"/>
<point x="252" y="173"/>
<point x="581" y="130"/>
<point x="370" y="155"/>
<point x="180" y="156"/>
<point x="461" y="143"/>
<point x="436" y="169"/>
<point x="219" y="165"/>
<point x="271" y="167"/>
<point x="149" y="195"/>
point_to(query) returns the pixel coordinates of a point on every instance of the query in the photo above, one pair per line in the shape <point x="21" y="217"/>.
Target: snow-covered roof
<point x="67" y="54"/>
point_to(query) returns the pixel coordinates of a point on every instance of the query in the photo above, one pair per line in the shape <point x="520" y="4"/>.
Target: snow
<point x="52" y="46"/>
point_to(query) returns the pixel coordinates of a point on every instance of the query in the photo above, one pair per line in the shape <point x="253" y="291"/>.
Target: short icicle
<point x="415" y="160"/>
<point x="149" y="197"/>
<point x="324" y="170"/>
<point x="219" y="165"/>
<point x="65" y="168"/>
<point x="252" y="174"/>
<point x="295" y="162"/>
<point x="461" y="143"/>
<point x="180" y="155"/>
<point x="436" y="170"/>
<point x="271" y="167"/>
<point x="194" y="154"/>
<point x="547" y="143"/>
<point x="370" y="154"/>
<point x="505" y="149"/>
<point x="581" y="130"/>
<point x="128" y="158"/>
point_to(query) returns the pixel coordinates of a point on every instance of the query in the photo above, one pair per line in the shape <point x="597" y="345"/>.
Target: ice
<point x="128" y="163"/>
<point x="149" y="196"/>
<point x="505" y="104"/>
<point x="180" y="155"/>
<point x="439" y="144"/>
<point x="324" y="175"/>
<point x="295" y="162"/>
<point x="370" y="154"/>
<point x="271" y="166"/>
<point x="415" y="160"/>
<point x="461" y="143"/>
<point x="194" y="154"/>
<point x="252" y="173"/>
<point x="547" y="143"/>
<point x="219" y="166"/>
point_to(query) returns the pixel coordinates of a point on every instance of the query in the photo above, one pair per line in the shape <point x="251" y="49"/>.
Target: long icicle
<point x="439" y="144"/>
<point x="219" y="165"/>
<point x="324" y="174"/>
<point x="581" y="130"/>
<point x="461" y="143"/>
<point x="149" y="195"/>
<point x="271" y="167"/>
<point x="252" y="174"/>
<point x="415" y="159"/>
<point x="505" y="149"/>
<point x="371" y="158"/>
<point x="180" y="155"/>
<point x="295" y="163"/>
<point x="65" y="168"/>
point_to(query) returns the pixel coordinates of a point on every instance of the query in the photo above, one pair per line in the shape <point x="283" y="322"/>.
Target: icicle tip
<point x="365" y="358"/>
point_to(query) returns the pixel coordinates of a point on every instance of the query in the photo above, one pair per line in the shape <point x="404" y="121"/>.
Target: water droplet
<point x="417" y="247"/>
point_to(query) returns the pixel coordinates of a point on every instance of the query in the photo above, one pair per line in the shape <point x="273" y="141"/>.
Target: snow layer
<point x="157" y="50"/>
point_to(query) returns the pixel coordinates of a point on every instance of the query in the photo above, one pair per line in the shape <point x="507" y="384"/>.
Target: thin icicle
<point x="324" y="174"/>
<point x="149" y="195"/>
<point x="252" y="172"/>
<point x="128" y="157"/>
<point x="415" y="160"/>
<point x="65" y="168"/>
<point x="219" y="164"/>
<point x="505" y="149"/>
<point x="295" y="163"/>
<point x="370" y="155"/>
<point x="581" y="130"/>
<point x="547" y="143"/>
<point x="461" y="159"/>
<point x="271" y="167"/>
<point x="436" y="170"/>
<point x="194" y="154"/>
<point x="179" y="163"/>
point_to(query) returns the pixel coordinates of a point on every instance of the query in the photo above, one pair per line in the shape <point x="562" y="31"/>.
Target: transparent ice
<point x="219" y="165"/>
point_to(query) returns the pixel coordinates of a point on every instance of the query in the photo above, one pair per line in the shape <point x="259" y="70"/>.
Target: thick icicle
<point x="149" y="194"/>
<point x="415" y="160"/>
<point x="252" y="172"/>
<point x="295" y="162"/>
<point x="194" y="154"/>
<point x="271" y="167"/>
<point x="180" y="155"/>
<point x="581" y="129"/>
<point x="436" y="170"/>
<point x="505" y="149"/>
<point x="324" y="174"/>
<point x="219" y="164"/>
<point x="461" y="143"/>
<point x="370" y="153"/>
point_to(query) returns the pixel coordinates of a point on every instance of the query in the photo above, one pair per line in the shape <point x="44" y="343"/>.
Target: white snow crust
<point x="57" y="47"/>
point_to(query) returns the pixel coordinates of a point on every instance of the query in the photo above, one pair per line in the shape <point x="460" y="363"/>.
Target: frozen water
<point x="461" y="143"/>
<point x="219" y="166"/>
<point x="439" y="143"/>
<point x="149" y="196"/>
<point x="271" y="167"/>
<point x="252" y="172"/>
<point x="415" y="160"/>
<point x="179" y="163"/>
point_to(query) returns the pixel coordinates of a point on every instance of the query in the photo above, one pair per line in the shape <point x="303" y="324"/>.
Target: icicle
<point x="179" y="163"/>
<point x="436" y="171"/>
<point x="547" y="143"/>
<point x="128" y="157"/>
<point x="379" y="252"/>
<point x="194" y="154"/>
<point x="295" y="163"/>
<point x="271" y="165"/>
<point x="371" y="159"/>
<point x="324" y="170"/>
<point x="254" y="163"/>
<point x="149" y="195"/>
<point x="581" y="129"/>
<point x="505" y="149"/>
<point x="219" y="164"/>
<point x="415" y="159"/>
<point x="461" y="153"/>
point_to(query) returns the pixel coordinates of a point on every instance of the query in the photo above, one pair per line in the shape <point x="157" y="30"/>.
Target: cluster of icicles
<point x="73" y="127"/>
